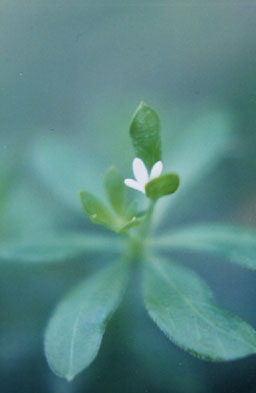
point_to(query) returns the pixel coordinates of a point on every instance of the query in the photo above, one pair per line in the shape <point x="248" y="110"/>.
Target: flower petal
<point x="134" y="184"/>
<point x="140" y="171"/>
<point x="156" y="170"/>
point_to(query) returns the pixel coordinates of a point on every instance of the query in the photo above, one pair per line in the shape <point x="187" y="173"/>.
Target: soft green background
<point x="72" y="74"/>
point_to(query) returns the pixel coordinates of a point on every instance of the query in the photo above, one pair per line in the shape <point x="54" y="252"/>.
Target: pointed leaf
<point x="56" y="248"/>
<point x="237" y="244"/>
<point x="162" y="185"/>
<point x="75" y="330"/>
<point x="114" y="184"/>
<point x="182" y="305"/>
<point x="145" y="134"/>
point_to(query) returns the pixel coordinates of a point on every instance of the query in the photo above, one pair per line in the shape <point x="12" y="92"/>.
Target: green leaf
<point x="237" y="244"/>
<point x="114" y="184"/>
<point x="162" y="185"/>
<point x="134" y="222"/>
<point x="145" y="134"/>
<point x="97" y="212"/>
<point x="75" y="330"/>
<point x="66" y="165"/>
<point x="54" y="248"/>
<point x="131" y="210"/>
<point x="181" y="304"/>
<point x="193" y="152"/>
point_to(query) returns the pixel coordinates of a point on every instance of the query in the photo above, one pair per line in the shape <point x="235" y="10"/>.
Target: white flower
<point x="141" y="174"/>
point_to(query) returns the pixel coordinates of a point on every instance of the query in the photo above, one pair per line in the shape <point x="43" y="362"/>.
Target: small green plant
<point x="176" y="298"/>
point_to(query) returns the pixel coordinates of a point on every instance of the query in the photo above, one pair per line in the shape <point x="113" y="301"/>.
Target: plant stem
<point x="145" y="228"/>
<point x="137" y="242"/>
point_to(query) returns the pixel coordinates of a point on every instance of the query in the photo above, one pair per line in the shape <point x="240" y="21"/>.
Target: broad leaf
<point x="114" y="184"/>
<point x="66" y="167"/>
<point x="194" y="152"/>
<point x="162" y="185"/>
<point x="27" y="212"/>
<point x="75" y="330"/>
<point x="182" y="305"/>
<point x="56" y="248"/>
<point x="145" y="134"/>
<point x="237" y="244"/>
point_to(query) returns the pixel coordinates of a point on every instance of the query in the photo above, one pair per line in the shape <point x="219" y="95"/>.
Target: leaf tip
<point x="141" y="106"/>
<point x="80" y="193"/>
<point x="70" y="377"/>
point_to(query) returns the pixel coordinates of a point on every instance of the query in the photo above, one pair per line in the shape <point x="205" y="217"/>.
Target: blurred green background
<point x="72" y="74"/>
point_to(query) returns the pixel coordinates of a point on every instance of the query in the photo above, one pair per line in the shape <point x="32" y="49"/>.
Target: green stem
<point x="145" y="228"/>
<point x="137" y="242"/>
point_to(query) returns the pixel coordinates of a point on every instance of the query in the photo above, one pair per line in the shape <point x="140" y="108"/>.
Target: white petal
<point x="140" y="171"/>
<point x="156" y="170"/>
<point x="134" y="184"/>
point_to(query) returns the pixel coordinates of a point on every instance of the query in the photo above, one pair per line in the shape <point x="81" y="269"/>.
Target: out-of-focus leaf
<point x="114" y="184"/>
<point x="65" y="167"/>
<point x="162" y="185"/>
<point x="56" y="248"/>
<point x="145" y="134"/>
<point x="237" y="244"/>
<point x="75" y="330"/>
<point x="194" y="152"/>
<point x="5" y="181"/>
<point x="181" y="304"/>
<point x="131" y="209"/>
<point x="27" y="212"/>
